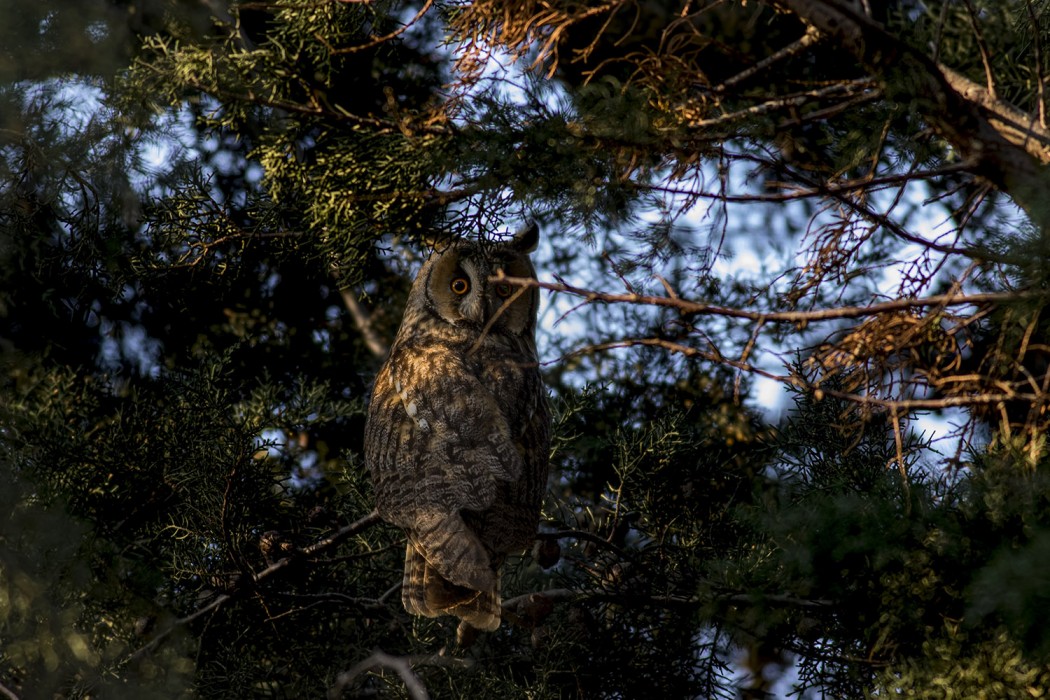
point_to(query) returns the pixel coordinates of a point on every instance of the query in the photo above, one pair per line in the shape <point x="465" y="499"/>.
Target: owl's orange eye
<point x="504" y="289"/>
<point x="460" y="285"/>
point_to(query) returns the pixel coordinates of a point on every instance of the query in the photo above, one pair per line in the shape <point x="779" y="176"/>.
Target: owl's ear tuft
<point x="527" y="238"/>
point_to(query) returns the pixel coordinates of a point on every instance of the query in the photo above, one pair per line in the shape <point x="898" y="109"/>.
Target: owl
<point x="458" y="429"/>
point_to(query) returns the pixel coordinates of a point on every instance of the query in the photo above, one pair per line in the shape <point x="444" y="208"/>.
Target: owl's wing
<point x="437" y="441"/>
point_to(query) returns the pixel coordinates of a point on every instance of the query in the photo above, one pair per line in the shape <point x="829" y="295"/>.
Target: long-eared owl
<point x="458" y="429"/>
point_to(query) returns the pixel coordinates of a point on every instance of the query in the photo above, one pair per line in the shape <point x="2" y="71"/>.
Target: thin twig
<point x="495" y="317"/>
<point x="376" y="41"/>
<point x="989" y="79"/>
<point x="745" y="356"/>
<point x="568" y="595"/>
<point x="898" y="444"/>
<point x="1006" y="392"/>
<point x="1037" y="45"/>
<point x="851" y="88"/>
<point x="684" y="350"/>
<point x="390" y="592"/>
<point x="808" y="39"/>
<point x="830" y="188"/>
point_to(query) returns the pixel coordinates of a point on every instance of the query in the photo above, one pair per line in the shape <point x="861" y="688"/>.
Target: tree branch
<point x="988" y="391"/>
<point x="568" y="595"/>
<point x="1016" y="125"/>
<point x="581" y="535"/>
<point x="376" y="41"/>
<point x="363" y="321"/>
<point x="686" y="306"/>
<point x="808" y="39"/>
<point x="362" y="318"/>
<point x="1000" y="154"/>
<point x="306" y="552"/>
<point x="402" y="665"/>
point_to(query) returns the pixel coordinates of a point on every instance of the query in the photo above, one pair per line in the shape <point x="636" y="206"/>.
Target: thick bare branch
<point x="997" y="147"/>
<point x="1016" y="125"/>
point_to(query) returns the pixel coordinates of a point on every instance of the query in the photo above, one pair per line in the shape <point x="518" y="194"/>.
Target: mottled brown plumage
<point x="458" y="429"/>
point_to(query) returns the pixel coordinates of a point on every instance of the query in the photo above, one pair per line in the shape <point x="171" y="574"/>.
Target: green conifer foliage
<point x="210" y="214"/>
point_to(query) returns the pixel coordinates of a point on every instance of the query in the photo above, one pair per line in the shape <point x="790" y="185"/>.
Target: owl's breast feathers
<point x="448" y="431"/>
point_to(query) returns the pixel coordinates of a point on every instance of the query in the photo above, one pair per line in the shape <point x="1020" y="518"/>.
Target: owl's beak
<point x="474" y="309"/>
<point x="495" y="304"/>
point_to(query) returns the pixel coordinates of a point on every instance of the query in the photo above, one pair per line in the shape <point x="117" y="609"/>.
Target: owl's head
<point x="456" y="284"/>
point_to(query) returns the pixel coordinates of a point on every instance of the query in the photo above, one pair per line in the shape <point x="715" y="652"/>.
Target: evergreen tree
<point x="209" y="217"/>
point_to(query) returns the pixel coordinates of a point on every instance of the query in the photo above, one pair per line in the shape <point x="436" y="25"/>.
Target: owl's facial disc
<point x="472" y="301"/>
<point x="463" y="288"/>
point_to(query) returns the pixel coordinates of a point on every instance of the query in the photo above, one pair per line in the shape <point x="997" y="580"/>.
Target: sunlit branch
<point x="962" y="401"/>
<point x="686" y="306"/>
<point x="852" y="88"/>
<point x="1037" y="46"/>
<point x="1016" y="125"/>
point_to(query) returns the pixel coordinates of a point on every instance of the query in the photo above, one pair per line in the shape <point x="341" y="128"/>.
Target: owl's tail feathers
<point x="426" y="592"/>
<point x="452" y="549"/>
<point x="479" y="609"/>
